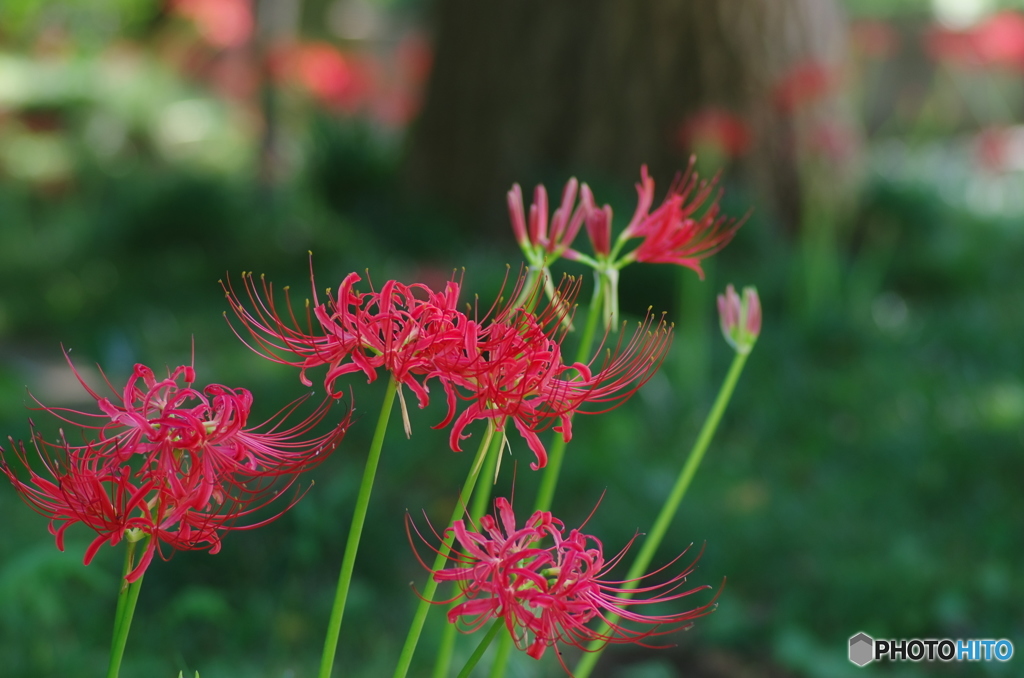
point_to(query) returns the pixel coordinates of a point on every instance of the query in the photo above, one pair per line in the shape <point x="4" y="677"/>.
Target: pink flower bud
<point x="740" y="318"/>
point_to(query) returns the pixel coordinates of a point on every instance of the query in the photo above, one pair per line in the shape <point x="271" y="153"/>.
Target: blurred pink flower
<point x="832" y="140"/>
<point x="946" y="45"/>
<point x="996" y="42"/>
<point x="874" y="38"/>
<point x="337" y="80"/>
<point x="717" y="128"/>
<point x="804" y="84"/>
<point x="222" y="23"/>
<point x="999" y="40"/>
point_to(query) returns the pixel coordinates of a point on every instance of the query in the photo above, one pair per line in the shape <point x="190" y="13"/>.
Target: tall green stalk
<point x="556" y="454"/>
<point x="427" y="595"/>
<point x="355" y="532"/>
<point x="669" y="509"/>
<point x="481" y="498"/>
<point x="549" y="477"/>
<point x="481" y="648"/>
<point x="127" y="597"/>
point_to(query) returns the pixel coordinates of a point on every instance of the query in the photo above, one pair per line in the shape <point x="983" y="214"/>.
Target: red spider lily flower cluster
<point x="169" y="462"/>
<point x="685" y="229"/>
<point x="505" y="367"/>
<point x="546" y="585"/>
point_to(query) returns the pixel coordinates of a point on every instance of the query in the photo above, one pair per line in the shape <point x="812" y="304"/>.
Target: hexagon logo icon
<point x="862" y="649"/>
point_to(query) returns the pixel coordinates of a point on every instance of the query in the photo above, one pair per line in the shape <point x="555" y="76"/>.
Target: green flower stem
<point x="355" y="532"/>
<point x="668" y="511"/>
<point x="501" y="657"/>
<point x="420" y="616"/>
<point x="481" y="498"/>
<point x="126" y="599"/>
<point x="556" y="454"/>
<point x="480" y="649"/>
<point x="445" y="651"/>
<point x="549" y="479"/>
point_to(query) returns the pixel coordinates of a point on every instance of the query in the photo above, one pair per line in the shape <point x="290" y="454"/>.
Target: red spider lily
<point x="540" y="241"/>
<point x="673" y="233"/>
<point x="507" y="366"/>
<point x="511" y="368"/>
<point x="169" y="462"/>
<point x="393" y="329"/>
<point x="546" y="585"/>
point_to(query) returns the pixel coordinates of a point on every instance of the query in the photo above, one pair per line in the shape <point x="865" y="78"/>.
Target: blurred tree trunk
<point x="524" y="89"/>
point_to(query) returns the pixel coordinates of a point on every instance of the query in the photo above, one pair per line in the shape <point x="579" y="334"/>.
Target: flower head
<point x="546" y="585"/>
<point x="541" y="241"/>
<point x="511" y="369"/>
<point x="740" y="319"/>
<point x="686" y="228"/>
<point x="166" y="461"/>
<point x="401" y="329"/>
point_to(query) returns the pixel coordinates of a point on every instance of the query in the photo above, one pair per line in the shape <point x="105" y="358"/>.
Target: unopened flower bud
<point x="740" y="318"/>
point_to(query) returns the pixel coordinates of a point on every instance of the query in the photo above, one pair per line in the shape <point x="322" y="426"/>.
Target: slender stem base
<point x="355" y="532"/>
<point x="127" y="597"/>
<point x="480" y="649"/>
<point x="556" y="454"/>
<point x="481" y="498"/>
<point x="427" y="595"/>
<point x="669" y="509"/>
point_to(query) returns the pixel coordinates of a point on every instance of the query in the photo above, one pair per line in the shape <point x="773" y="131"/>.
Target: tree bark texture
<point x="523" y="89"/>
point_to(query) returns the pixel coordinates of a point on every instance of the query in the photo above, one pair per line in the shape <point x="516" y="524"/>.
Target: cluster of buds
<point x="169" y="462"/>
<point x="686" y="228"/>
<point x="504" y="367"/>
<point x="546" y="585"/>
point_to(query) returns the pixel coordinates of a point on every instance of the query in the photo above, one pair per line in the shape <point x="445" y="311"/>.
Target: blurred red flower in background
<point x="874" y="38"/>
<point x="996" y="42"/>
<point x="804" y="84"/>
<point x="999" y="40"/>
<point x="339" y="81"/>
<point x="717" y="128"/>
<point x="222" y="23"/>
